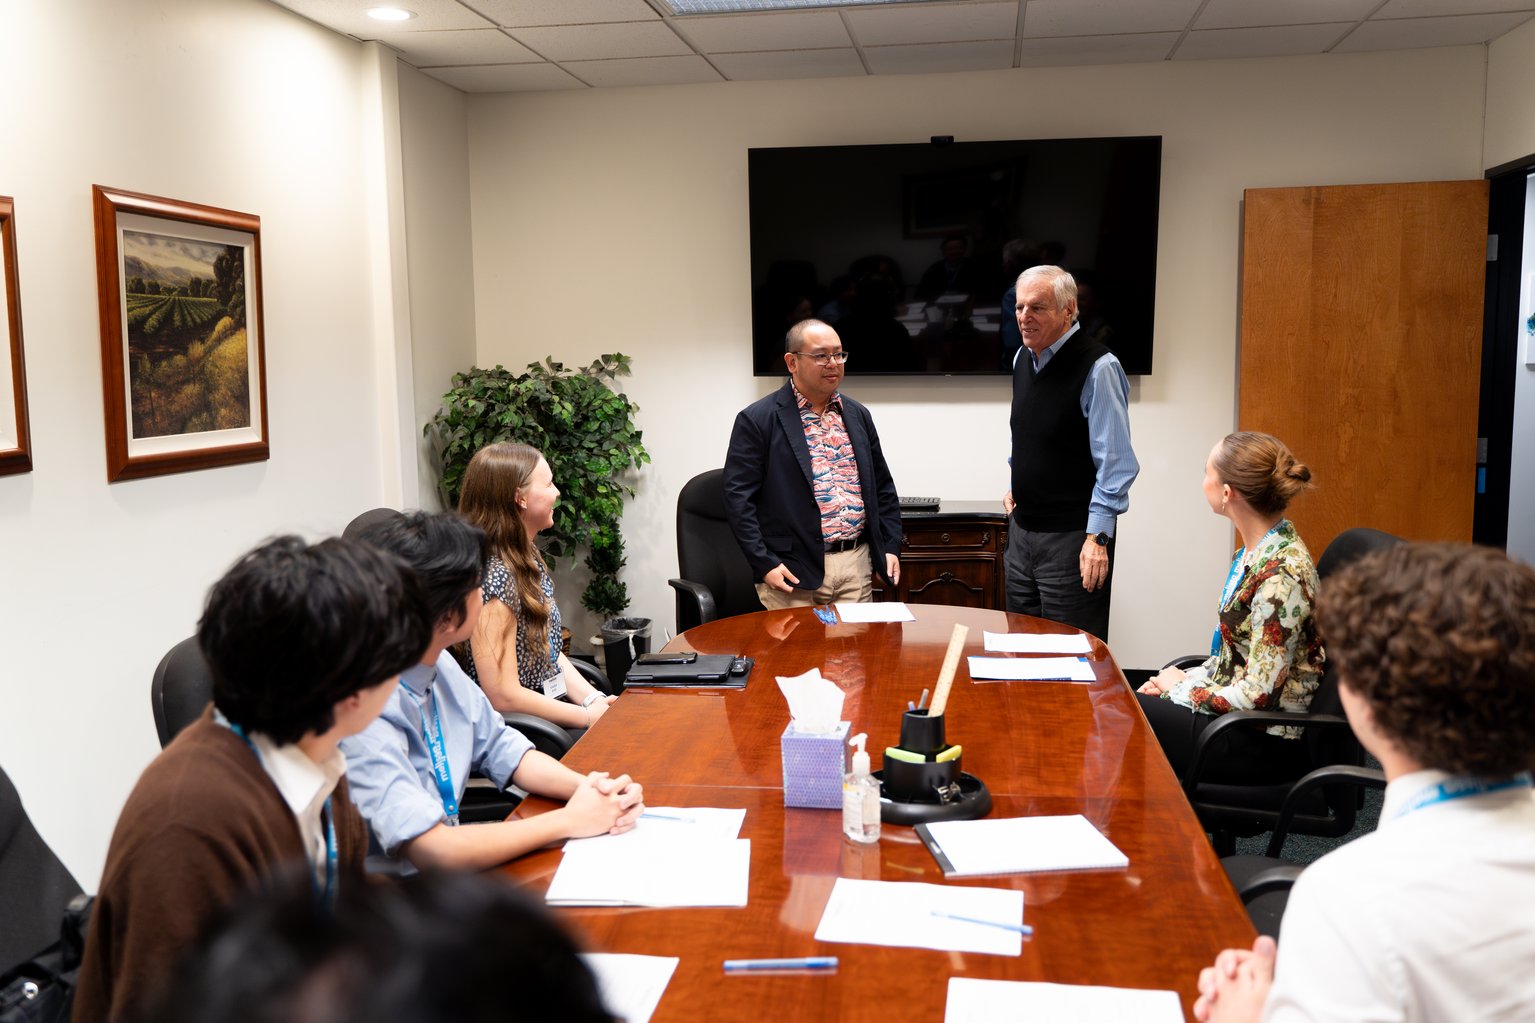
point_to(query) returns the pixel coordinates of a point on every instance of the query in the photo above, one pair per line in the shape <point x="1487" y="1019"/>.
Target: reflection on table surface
<point x="1042" y="748"/>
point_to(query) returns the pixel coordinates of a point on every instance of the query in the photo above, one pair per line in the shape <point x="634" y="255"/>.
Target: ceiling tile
<point x="505" y="78"/>
<point x="644" y="71"/>
<point x="935" y="23"/>
<point x="743" y="67"/>
<point x="1277" y="41"/>
<point x="1102" y="17"/>
<point x="1245" y="13"/>
<point x="983" y="55"/>
<point x="525" y="13"/>
<point x="1430" y="8"/>
<point x="794" y="30"/>
<point x="1131" y="49"/>
<point x="350" y="16"/>
<point x="1409" y="33"/>
<point x="459" y="46"/>
<point x="601" y="42"/>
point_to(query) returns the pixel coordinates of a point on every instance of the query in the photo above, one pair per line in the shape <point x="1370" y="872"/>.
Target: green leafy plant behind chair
<point x="585" y="428"/>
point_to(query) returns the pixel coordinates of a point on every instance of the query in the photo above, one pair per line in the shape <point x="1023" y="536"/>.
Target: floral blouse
<point x="1269" y="655"/>
<point x="538" y="657"/>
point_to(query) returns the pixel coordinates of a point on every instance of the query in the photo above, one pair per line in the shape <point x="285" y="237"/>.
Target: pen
<point x="922" y="702"/>
<point x="801" y="963"/>
<point x="911" y="705"/>
<point x="665" y="817"/>
<point x="1023" y="929"/>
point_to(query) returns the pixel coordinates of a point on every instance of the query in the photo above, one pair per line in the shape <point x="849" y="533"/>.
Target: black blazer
<point x="769" y="495"/>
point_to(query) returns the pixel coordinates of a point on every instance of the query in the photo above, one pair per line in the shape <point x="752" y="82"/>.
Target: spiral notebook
<point x="1019" y="845"/>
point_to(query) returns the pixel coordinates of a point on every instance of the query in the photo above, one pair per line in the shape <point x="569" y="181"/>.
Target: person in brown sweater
<point x="304" y="644"/>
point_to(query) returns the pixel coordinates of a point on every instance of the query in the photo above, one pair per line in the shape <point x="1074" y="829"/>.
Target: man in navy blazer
<point x="809" y="495"/>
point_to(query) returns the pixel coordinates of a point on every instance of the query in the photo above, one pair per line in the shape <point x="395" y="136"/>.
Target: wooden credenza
<point x="952" y="556"/>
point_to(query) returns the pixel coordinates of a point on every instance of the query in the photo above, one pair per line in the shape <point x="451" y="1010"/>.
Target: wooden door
<point x="1361" y="349"/>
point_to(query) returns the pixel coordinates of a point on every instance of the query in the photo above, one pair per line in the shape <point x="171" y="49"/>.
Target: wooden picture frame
<point x="182" y="347"/>
<point x="15" y="432"/>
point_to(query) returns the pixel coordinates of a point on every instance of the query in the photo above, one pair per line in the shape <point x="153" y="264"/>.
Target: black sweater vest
<point x="1053" y="471"/>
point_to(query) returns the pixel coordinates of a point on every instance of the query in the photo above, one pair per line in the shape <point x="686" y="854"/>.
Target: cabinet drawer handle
<point x="945" y="538"/>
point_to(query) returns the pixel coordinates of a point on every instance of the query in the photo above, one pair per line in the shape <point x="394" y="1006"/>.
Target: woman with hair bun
<point x="1265" y="654"/>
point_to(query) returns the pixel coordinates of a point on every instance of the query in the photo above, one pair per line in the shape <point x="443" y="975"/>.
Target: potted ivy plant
<point x="584" y="426"/>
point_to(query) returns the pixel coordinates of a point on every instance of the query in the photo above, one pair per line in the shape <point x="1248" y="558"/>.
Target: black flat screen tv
<point x="908" y="249"/>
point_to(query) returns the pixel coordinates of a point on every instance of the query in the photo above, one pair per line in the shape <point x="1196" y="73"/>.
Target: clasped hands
<point x="1235" y="988"/>
<point x="605" y="805"/>
<point x="1162" y="681"/>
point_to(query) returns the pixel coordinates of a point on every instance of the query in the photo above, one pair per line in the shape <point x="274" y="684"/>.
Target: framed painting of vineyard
<point x="15" y="448"/>
<point x="182" y="348"/>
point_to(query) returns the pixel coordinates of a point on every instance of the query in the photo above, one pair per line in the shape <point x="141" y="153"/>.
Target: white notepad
<point x="703" y="873"/>
<point x="1018" y="845"/>
<point x="1030" y="669"/>
<point x="972" y="1000"/>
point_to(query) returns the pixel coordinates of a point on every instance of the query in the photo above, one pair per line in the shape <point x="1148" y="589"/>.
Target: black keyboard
<point x="919" y="504"/>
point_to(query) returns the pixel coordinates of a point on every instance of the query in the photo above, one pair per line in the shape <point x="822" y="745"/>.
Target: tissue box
<point x="813" y="766"/>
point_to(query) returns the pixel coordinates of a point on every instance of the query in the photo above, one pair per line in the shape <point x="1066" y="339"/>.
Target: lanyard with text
<point x="1232" y="578"/>
<point x="327" y="897"/>
<point x="437" y="751"/>
<point x="1461" y="788"/>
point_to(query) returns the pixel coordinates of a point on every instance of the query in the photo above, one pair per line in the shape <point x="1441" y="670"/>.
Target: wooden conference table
<point x="1041" y="748"/>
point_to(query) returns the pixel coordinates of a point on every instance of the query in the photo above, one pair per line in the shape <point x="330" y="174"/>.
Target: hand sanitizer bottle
<point x="860" y="797"/>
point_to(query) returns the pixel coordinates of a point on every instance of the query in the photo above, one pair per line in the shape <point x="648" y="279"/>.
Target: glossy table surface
<point x="1041" y="748"/>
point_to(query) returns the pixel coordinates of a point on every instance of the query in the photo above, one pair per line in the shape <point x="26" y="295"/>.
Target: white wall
<point x="615" y="220"/>
<point x="1511" y="136"/>
<point x="232" y="103"/>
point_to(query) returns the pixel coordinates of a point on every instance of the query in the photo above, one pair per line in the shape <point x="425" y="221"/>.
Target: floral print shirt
<point x="833" y="470"/>
<point x="1269" y="656"/>
<point x="538" y="657"/>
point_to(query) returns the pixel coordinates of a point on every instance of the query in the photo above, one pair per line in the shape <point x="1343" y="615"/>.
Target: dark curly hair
<point x="1439" y="640"/>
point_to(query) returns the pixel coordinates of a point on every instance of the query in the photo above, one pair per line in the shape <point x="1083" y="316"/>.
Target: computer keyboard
<point x="919" y="504"/>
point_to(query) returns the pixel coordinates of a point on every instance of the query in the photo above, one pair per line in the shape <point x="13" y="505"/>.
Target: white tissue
<point x="815" y="703"/>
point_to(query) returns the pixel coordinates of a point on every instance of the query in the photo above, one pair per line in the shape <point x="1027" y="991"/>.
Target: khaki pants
<point x="848" y="578"/>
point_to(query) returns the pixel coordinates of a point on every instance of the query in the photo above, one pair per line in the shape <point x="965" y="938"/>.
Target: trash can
<point x="623" y="639"/>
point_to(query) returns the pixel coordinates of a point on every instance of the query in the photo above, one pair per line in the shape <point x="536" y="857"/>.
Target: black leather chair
<point x="35" y="886"/>
<point x="1264" y="882"/>
<point x="181" y="688"/>
<point x="1329" y="810"/>
<point x="717" y="581"/>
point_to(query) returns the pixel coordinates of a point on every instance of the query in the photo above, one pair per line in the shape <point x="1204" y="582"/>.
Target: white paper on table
<point x="1015" y="845"/>
<point x="985" y="1001"/>
<point x="1038" y="643"/>
<point x="695" y="824"/>
<point x="876" y="611"/>
<point x="1030" y="669"/>
<point x="694" y="873"/>
<point x="631" y="985"/>
<point x="900" y="914"/>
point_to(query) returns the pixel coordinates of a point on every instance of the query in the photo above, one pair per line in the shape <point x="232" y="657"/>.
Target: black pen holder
<point x="929" y="781"/>
<point x="921" y="733"/>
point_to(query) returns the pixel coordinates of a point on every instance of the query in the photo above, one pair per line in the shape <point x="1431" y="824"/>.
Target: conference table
<point x="1042" y="748"/>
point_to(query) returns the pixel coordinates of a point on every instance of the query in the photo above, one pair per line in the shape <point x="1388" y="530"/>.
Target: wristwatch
<point x="1101" y="539"/>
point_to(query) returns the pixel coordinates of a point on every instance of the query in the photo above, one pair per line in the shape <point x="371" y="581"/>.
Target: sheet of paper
<point x="900" y="913"/>
<point x="631" y="985"/>
<point x="1015" y="845"/>
<point x="683" y="873"/>
<point x="1038" y="643"/>
<point x="876" y="611"/>
<point x="674" y="824"/>
<point x="1030" y="669"/>
<point x="985" y="1001"/>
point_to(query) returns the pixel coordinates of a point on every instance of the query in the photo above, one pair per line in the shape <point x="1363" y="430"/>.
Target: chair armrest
<point x="546" y="736"/>
<point x="1186" y="661"/>
<point x="695" y="604"/>
<point x="1278" y="878"/>
<point x="1333" y="774"/>
<point x="594" y="675"/>
<point x="1250" y="718"/>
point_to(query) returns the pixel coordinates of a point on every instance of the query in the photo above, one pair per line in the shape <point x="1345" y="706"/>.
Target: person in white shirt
<point x="1428" y="918"/>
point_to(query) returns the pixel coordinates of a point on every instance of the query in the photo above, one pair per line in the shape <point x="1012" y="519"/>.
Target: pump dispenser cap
<point x="860" y="757"/>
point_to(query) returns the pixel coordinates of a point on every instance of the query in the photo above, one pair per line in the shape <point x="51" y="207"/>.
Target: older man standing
<point x="1072" y="464"/>
<point x="809" y="495"/>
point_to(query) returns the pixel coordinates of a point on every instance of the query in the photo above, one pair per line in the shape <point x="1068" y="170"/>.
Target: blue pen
<point x="1023" y="929"/>
<point x="801" y="963"/>
<point x="665" y="817"/>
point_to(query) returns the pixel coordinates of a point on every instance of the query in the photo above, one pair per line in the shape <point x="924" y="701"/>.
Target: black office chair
<point x="1264" y="882"/>
<point x="181" y="688"/>
<point x="1229" y="811"/>
<point x="717" y="581"/>
<point x="35" y="886"/>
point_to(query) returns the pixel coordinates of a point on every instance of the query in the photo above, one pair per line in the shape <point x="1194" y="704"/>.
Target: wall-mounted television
<point x="908" y="249"/>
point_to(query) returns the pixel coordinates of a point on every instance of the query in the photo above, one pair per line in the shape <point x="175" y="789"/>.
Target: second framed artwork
<point x="182" y="347"/>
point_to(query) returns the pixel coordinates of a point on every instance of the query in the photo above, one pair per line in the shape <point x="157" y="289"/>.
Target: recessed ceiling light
<point x="390" y="14"/>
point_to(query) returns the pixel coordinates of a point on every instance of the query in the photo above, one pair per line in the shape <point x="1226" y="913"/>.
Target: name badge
<point x="555" y="687"/>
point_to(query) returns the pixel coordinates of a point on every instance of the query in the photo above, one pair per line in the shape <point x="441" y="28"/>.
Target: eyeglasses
<point x="823" y="359"/>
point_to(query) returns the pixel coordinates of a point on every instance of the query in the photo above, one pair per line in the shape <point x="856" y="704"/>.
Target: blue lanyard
<point x="1461" y="788"/>
<point x="327" y="897"/>
<point x="1232" y="578"/>
<point x="442" y="773"/>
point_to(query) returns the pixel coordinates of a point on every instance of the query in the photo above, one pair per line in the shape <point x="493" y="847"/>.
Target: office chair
<point x="717" y="581"/>
<point x="182" y="686"/>
<point x="1264" y="882"/>
<point x="1229" y="811"/>
<point x="35" y="886"/>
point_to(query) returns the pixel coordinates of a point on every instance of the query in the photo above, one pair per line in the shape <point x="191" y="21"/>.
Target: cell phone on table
<point x="686" y="657"/>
